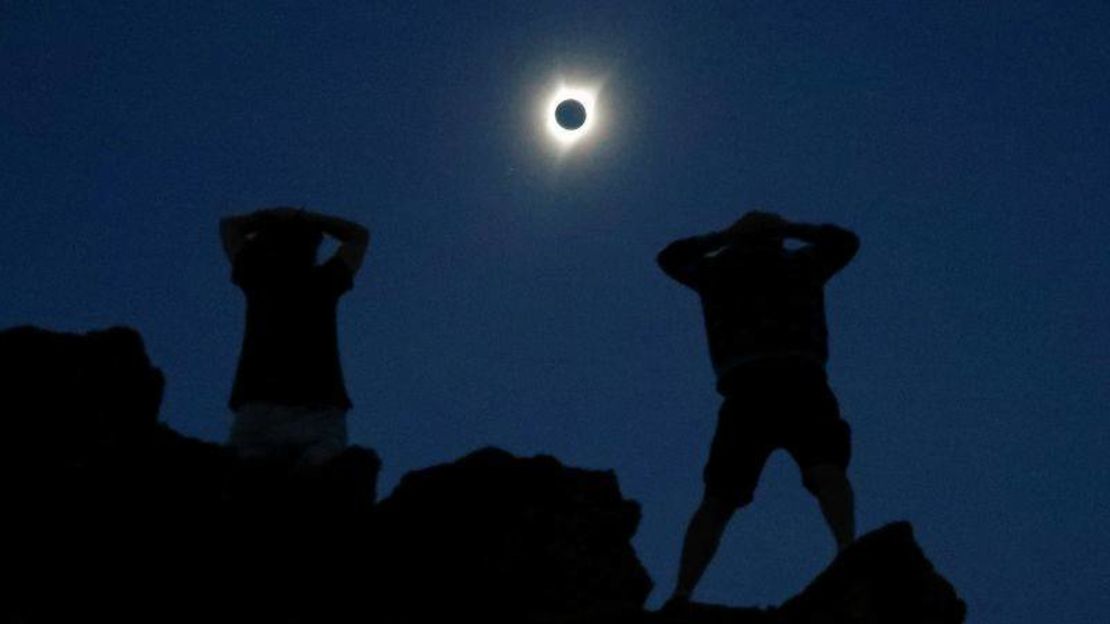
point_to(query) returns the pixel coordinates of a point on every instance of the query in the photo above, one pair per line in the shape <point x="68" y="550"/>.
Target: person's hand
<point x="758" y="223"/>
<point x="285" y="213"/>
<point x="277" y="215"/>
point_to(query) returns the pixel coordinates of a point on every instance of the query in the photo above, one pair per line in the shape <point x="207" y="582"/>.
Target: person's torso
<point x="290" y="351"/>
<point x="760" y="306"/>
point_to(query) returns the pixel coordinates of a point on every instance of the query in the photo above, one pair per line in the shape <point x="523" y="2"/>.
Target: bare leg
<point x="703" y="535"/>
<point x="834" y="493"/>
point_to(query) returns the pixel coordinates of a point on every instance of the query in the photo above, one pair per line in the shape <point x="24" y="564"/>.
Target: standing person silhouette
<point x="764" y="313"/>
<point x="289" y="400"/>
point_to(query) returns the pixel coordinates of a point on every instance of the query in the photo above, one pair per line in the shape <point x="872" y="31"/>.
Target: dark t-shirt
<point x="290" y="352"/>
<point x="761" y="302"/>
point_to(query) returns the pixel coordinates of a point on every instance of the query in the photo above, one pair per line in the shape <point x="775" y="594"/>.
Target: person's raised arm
<point x="353" y="238"/>
<point x="681" y="259"/>
<point x="236" y="230"/>
<point x="829" y="246"/>
<point x="233" y="233"/>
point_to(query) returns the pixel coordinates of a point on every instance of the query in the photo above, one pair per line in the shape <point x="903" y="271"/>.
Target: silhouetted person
<point x="289" y="399"/>
<point x="764" y="313"/>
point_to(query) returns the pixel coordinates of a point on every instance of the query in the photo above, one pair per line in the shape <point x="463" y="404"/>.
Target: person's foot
<point x="677" y="605"/>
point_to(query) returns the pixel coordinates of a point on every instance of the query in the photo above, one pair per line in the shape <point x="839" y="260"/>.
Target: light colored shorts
<point x="306" y="435"/>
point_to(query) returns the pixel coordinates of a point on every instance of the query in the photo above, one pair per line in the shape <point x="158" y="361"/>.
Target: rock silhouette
<point x="114" y="517"/>
<point x="501" y="536"/>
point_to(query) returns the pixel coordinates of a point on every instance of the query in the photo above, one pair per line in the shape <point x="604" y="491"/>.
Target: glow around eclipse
<point x="566" y="138"/>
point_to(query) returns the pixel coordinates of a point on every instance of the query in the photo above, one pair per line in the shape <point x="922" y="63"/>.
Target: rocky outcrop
<point x="111" y="516"/>
<point x="882" y="578"/>
<point x="65" y="391"/>
<point x="502" y="537"/>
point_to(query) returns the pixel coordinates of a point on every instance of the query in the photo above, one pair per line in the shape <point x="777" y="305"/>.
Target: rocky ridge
<point x="114" y="517"/>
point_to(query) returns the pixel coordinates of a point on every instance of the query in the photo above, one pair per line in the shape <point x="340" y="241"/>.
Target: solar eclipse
<point x="571" y="114"/>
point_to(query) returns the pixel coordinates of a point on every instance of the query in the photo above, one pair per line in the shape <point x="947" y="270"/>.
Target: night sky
<point x="510" y="296"/>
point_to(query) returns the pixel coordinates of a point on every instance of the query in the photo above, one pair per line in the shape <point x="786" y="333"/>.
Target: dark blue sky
<point x="512" y="299"/>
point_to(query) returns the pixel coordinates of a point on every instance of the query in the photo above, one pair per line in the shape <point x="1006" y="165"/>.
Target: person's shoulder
<point x="334" y="264"/>
<point x="335" y="275"/>
<point x="801" y="260"/>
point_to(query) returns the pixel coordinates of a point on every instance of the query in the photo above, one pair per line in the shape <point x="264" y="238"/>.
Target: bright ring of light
<point x="561" y="135"/>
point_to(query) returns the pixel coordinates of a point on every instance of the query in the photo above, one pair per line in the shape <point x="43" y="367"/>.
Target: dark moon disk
<point x="570" y="114"/>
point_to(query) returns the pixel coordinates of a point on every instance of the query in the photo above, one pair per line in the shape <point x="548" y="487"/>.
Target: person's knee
<point x="720" y="509"/>
<point x="725" y="494"/>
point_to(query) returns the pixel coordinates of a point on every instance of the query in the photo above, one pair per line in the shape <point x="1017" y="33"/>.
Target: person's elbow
<point x="849" y="243"/>
<point x="838" y="248"/>
<point x="354" y="249"/>
<point x="661" y="259"/>
<point x="360" y="235"/>
<point x="231" y="236"/>
<point x="669" y="262"/>
<point x="676" y="269"/>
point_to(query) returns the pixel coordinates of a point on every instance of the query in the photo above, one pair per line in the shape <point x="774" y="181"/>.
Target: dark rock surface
<point x="882" y="578"/>
<point x="110" y="516"/>
<point x="495" y="535"/>
<point x="64" y="390"/>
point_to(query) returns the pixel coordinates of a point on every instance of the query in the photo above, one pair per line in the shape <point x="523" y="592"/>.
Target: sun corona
<point x="574" y="107"/>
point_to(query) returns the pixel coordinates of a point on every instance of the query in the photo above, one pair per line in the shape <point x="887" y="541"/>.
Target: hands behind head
<point x="279" y="216"/>
<point x="282" y="213"/>
<point x="758" y="223"/>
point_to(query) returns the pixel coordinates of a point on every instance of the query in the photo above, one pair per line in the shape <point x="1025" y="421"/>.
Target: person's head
<point x="290" y="243"/>
<point x="759" y="231"/>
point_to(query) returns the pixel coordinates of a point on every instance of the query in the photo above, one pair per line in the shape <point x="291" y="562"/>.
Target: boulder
<point x="503" y="537"/>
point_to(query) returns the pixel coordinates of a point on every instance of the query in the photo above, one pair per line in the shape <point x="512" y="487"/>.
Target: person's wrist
<point x="721" y="236"/>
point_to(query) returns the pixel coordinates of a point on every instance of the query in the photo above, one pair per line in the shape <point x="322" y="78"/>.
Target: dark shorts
<point x="769" y="406"/>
